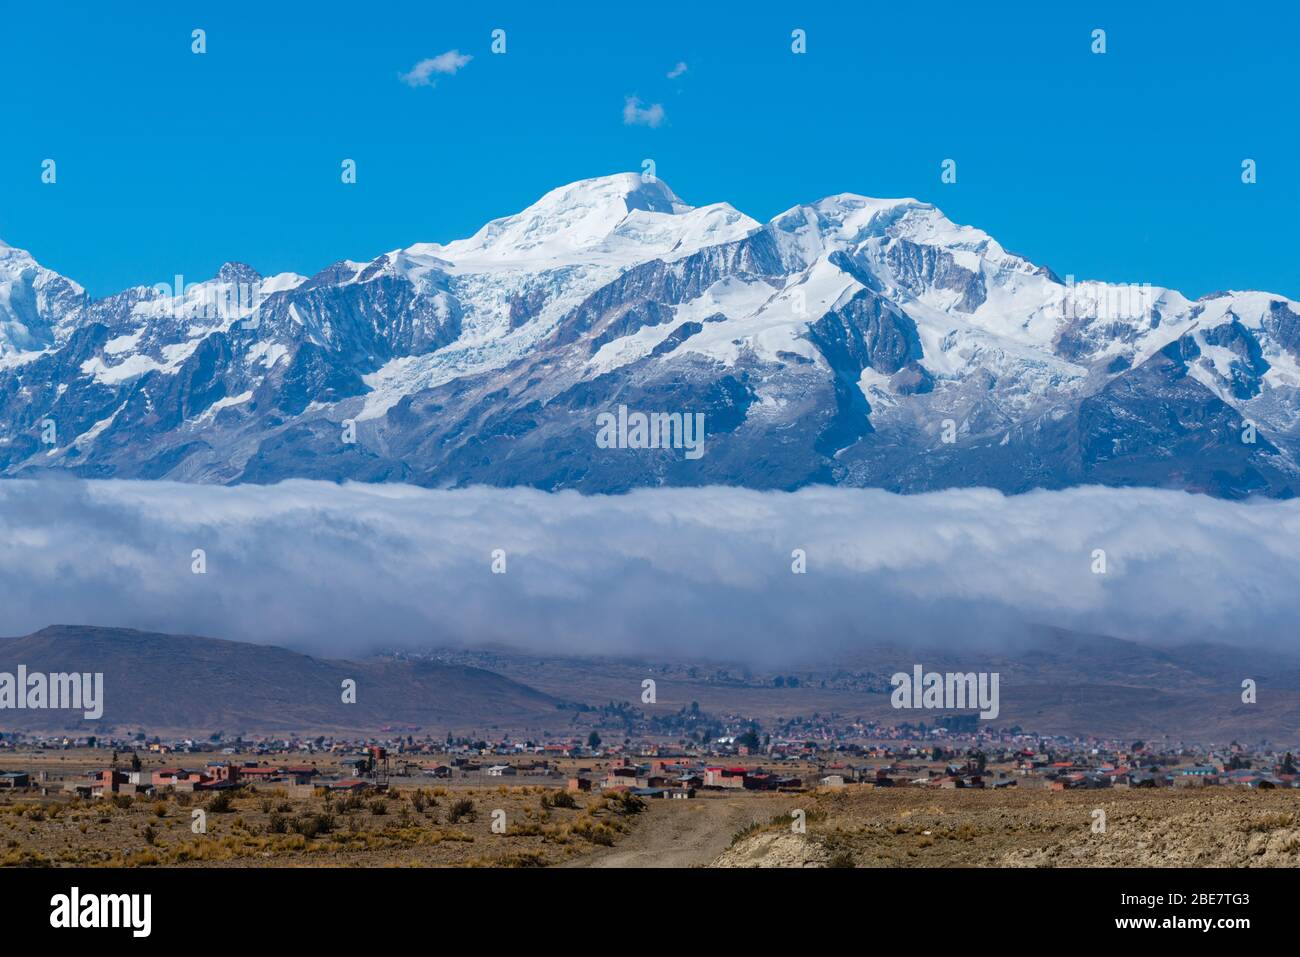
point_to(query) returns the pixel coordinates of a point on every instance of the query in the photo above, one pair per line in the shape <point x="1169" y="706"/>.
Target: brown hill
<point x="1052" y="681"/>
<point x="193" y="684"/>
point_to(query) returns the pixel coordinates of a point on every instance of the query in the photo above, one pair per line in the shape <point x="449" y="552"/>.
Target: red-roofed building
<point x="259" y="774"/>
<point x="724" y="777"/>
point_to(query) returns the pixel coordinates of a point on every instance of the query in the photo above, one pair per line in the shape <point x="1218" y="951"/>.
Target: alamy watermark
<point x="949" y="691"/>
<point x="215" y="300"/>
<point x="1107" y="302"/>
<point x="76" y="909"/>
<point x="651" y="430"/>
<point x="56" y="691"/>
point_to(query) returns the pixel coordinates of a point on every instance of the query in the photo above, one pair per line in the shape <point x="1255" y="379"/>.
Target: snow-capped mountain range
<point x="851" y="341"/>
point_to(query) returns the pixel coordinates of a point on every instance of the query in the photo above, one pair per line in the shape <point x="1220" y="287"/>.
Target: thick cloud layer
<point x="344" y="569"/>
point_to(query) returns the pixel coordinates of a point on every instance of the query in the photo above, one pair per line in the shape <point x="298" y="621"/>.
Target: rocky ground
<point x="1211" y="827"/>
<point x="543" y="826"/>
<point x="422" y="827"/>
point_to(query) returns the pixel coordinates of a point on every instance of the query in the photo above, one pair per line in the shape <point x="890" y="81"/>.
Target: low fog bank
<point x="340" y="570"/>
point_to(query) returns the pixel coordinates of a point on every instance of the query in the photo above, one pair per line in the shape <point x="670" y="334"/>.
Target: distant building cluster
<point x="872" y="756"/>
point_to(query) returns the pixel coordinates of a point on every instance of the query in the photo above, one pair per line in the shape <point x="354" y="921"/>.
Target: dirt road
<point x="688" y="833"/>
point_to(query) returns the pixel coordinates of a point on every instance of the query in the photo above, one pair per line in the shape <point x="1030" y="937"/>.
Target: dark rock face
<point x="676" y="338"/>
<point x="668" y="284"/>
<point x="1283" y="324"/>
<point x="1147" y="427"/>
<point x="919" y="268"/>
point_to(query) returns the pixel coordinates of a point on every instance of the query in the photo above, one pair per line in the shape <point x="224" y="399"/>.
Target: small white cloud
<point x="635" y="113"/>
<point x="445" y="64"/>
<point x="677" y="71"/>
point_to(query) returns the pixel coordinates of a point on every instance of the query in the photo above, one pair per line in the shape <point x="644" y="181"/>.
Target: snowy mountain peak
<point x="34" y="301"/>
<point x="11" y="256"/>
<point x="626" y="190"/>
<point x="581" y="216"/>
<point x="232" y="272"/>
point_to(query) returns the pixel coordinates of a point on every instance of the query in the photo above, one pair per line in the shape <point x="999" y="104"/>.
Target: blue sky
<point x="1124" y="166"/>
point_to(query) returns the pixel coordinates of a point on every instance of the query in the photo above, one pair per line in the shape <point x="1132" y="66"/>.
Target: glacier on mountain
<point x="850" y="341"/>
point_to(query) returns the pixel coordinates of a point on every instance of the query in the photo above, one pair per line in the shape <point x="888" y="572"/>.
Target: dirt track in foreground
<point x="689" y="833"/>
